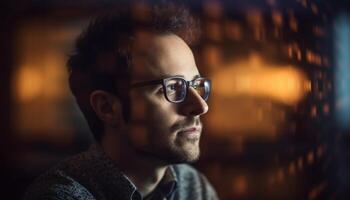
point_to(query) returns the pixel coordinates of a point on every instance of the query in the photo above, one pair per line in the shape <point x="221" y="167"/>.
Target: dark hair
<point x="111" y="35"/>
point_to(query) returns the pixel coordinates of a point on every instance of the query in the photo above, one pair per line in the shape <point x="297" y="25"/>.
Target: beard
<point x="168" y="145"/>
<point x="170" y="156"/>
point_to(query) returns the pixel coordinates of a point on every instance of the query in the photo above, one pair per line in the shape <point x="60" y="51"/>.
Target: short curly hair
<point x="111" y="34"/>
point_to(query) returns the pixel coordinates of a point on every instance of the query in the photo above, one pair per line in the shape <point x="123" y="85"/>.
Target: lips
<point x="192" y="132"/>
<point x="189" y="130"/>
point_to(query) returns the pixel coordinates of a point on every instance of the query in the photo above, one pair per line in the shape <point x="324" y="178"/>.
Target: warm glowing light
<point x="313" y="58"/>
<point x="212" y="56"/>
<point x="293" y="23"/>
<point x="28" y="83"/>
<point x="240" y="185"/>
<point x="310" y="157"/>
<point x="293" y="51"/>
<point x="313" y="111"/>
<point x="314" y="8"/>
<point x="233" y="30"/>
<point x="315" y="193"/>
<point x="292" y="168"/>
<point x="326" y="108"/>
<point x="212" y="9"/>
<point x="254" y="17"/>
<point x="319" y="31"/>
<point x="249" y="98"/>
<point x="213" y="30"/>
<point x="285" y="84"/>
<point x="280" y="175"/>
<point x="255" y="20"/>
<point x="277" y="18"/>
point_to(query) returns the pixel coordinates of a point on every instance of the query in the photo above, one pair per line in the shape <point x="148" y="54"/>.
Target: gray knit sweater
<point x="92" y="175"/>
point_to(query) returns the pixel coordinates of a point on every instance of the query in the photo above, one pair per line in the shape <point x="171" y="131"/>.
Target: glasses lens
<point x="175" y="89"/>
<point x="202" y="86"/>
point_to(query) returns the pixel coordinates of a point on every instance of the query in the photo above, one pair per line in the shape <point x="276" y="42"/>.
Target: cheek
<point x="162" y="115"/>
<point x="153" y="113"/>
<point x="160" y="127"/>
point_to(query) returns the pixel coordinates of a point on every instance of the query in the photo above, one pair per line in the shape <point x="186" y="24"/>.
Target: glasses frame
<point x="165" y="80"/>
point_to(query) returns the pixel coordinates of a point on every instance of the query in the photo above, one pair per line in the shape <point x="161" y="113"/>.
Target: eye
<point x="171" y="89"/>
<point x="174" y="87"/>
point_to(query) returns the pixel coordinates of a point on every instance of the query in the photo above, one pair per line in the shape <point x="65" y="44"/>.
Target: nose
<point x="194" y="104"/>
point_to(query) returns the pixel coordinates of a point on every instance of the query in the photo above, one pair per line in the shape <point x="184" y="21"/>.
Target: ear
<point x="107" y="107"/>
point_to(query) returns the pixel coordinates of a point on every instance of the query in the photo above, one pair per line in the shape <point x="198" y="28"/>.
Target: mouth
<point x="191" y="133"/>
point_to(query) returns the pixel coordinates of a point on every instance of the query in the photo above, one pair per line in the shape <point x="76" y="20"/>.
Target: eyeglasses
<point x="175" y="88"/>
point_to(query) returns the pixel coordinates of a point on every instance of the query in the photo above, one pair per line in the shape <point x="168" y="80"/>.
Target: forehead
<point x="159" y="56"/>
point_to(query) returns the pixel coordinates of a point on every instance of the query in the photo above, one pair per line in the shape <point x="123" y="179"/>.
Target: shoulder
<point x="56" y="185"/>
<point x="187" y="174"/>
<point x="192" y="183"/>
<point x="66" y="180"/>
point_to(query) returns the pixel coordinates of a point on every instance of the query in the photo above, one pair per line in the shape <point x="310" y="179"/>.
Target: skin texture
<point x="155" y="136"/>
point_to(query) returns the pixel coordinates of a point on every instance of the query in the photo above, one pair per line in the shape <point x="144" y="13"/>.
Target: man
<point x="137" y="84"/>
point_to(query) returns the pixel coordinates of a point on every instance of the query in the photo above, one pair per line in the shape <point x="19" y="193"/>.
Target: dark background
<point x="265" y="137"/>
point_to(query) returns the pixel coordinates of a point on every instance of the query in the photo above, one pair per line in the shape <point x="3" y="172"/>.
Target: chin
<point x="172" y="155"/>
<point x="179" y="150"/>
<point x="187" y="155"/>
<point x="191" y="159"/>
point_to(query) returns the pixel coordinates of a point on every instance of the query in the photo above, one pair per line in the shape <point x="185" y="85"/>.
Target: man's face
<point x="159" y="129"/>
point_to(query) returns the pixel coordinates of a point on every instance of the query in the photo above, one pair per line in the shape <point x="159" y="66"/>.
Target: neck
<point x="129" y="161"/>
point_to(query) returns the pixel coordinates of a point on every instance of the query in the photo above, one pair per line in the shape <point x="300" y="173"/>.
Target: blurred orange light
<point x="313" y="58"/>
<point x="212" y="9"/>
<point x="280" y="175"/>
<point x="277" y="18"/>
<point x="313" y="111"/>
<point x="310" y="157"/>
<point x="292" y="168"/>
<point x="285" y="84"/>
<point x="28" y="83"/>
<point x="326" y="108"/>
<point x="233" y="30"/>
<point x="240" y="185"/>
<point x="293" y="24"/>
<point x="213" y="30"/>
<point x="319" y="31"/>
<point x="314" y="8"/>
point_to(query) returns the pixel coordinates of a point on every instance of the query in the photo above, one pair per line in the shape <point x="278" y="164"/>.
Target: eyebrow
<point x="158" y="81"/>
<point x="197" y="76"/>
<point x="169" y="75"/>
